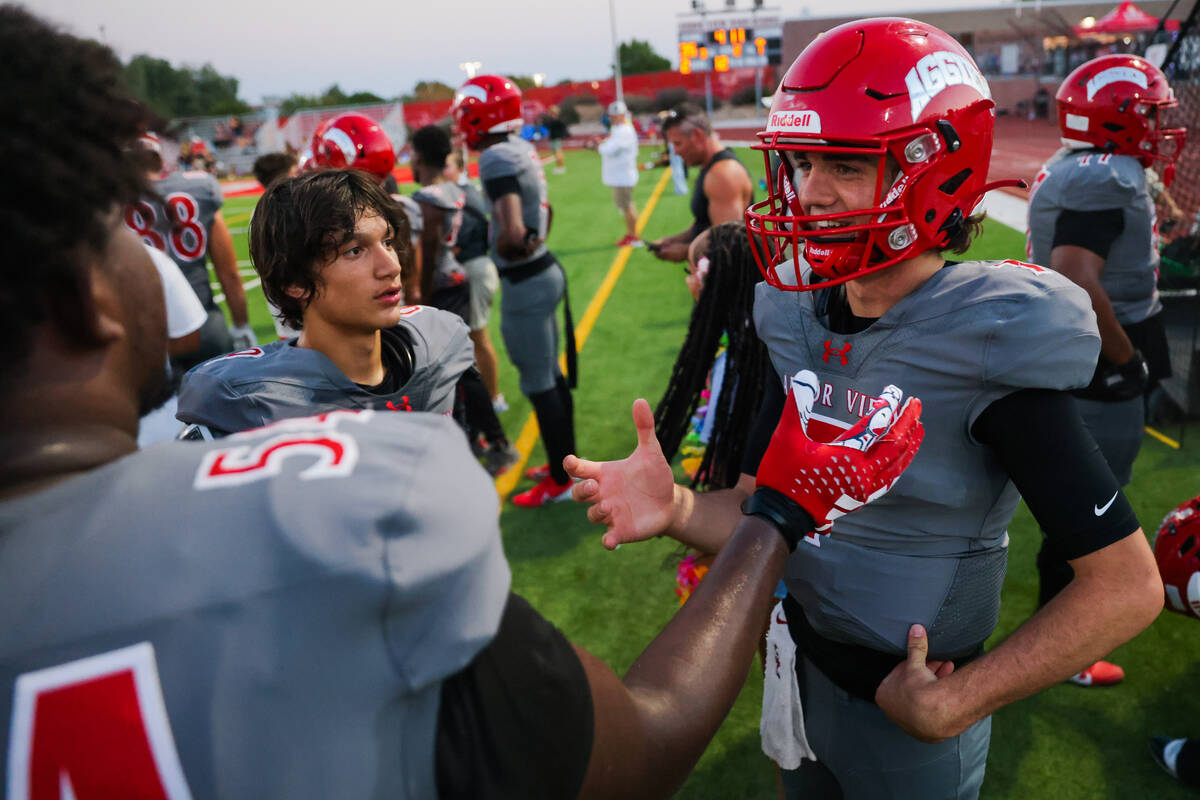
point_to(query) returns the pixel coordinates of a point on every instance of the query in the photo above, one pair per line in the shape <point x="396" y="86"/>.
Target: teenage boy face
<point x="360" y="290"/>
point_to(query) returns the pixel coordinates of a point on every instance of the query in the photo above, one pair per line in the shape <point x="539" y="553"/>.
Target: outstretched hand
<point x="908" y="695"/>
<point x="634" y="497"/>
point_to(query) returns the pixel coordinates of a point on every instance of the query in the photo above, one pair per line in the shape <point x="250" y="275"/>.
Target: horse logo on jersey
<point x="842" y="353"/>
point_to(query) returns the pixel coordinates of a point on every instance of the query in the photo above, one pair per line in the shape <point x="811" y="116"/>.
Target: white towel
<point x="782" y="725"/>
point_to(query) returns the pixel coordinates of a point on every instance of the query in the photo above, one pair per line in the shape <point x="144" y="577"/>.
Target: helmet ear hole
<point x="1114" y="127"/>
<point x="951" y="185"/>
<point x="1187" y="545"/>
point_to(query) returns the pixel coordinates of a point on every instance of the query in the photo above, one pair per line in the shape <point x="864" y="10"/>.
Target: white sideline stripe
<point x="248" y="285"/>
<point x="1007" y="209"/>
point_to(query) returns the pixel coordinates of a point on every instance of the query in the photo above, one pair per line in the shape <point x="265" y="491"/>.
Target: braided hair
<point x="725" y="307"/>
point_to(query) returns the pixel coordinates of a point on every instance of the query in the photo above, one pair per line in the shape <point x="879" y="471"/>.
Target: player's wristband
<point x="788" y="517"/>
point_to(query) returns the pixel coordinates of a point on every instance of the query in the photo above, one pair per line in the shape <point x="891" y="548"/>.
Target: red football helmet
<point x="354" y="141"/>
<point x="897" y="91"/>
<point x="1177" y="551"/>
<point x="1116" y="103"/>
<point x="484" y="105"/>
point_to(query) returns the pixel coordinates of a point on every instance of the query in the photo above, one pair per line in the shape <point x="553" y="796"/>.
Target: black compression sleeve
<point x="764" y="425"/>
<point x="1091" y="230"/>
<point x="1041" y="441"/>
<point x="498" y="187"/>
<point x="517" y="722"/>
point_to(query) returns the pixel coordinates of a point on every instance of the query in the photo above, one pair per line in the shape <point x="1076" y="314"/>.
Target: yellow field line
<point x="1167" y="440"/>
<point x="529" y="432"/>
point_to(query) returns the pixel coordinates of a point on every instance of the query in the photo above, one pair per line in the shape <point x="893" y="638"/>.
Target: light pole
<point x="471" y="68"/>
<point x="612" y="18"/>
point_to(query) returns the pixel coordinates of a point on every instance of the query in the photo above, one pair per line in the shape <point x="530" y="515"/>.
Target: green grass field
<point x="1065" y="743"/>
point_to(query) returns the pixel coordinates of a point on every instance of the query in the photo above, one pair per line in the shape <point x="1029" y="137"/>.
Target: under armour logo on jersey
<point x="404" y="404"/>
<point x="842" y="354"/>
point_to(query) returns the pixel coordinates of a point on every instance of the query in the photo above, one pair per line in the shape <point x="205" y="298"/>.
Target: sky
<point x="386" y="47"/>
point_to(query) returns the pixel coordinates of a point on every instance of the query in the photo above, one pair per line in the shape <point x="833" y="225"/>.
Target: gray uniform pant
<point x="530" y="327"/>
<point x="864" y="756"/>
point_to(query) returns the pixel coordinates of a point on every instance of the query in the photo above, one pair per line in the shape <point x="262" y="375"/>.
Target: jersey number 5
<point x="96" y="727"/>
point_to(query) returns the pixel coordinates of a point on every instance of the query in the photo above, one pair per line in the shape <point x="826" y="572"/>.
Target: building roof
<point x="1022" y="20"/>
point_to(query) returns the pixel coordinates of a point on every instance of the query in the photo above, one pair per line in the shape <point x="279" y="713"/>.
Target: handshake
<point x="804" y="485"/>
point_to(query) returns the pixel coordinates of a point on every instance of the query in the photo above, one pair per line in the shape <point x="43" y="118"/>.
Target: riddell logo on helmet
<point x="794" y="122"/>
<point x="1115" y="75"/>
<point x="937" y="72"/>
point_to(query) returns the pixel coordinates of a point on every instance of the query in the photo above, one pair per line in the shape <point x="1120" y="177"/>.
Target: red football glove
<point x="829" y="480"/>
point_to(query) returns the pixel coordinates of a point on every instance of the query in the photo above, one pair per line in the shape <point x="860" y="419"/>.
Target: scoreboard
<point x="721" y="42"/>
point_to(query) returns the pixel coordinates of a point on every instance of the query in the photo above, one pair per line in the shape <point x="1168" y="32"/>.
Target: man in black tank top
<point x="724" y="189"/>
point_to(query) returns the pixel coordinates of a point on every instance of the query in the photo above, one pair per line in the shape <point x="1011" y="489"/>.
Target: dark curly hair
<point x="68" y="126"/>
<point x="432" y="144"/>
<point x="725" y="307"/>
<point x="300" y="223"/>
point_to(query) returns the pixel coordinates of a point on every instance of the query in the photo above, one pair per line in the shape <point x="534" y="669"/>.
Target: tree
<point x="637" y="57"/>
<point x="428" y="91"/>
<point x="184" y="91"/>
<point x="333" y="96"/>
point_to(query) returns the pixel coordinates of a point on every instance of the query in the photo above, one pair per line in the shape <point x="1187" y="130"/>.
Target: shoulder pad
<point x="438" y="337"/>
<point x="1039" y="326"/>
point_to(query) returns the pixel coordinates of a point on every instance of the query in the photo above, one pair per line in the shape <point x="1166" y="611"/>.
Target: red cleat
<point x="546" y="491"/>
<point x="538" y="473"/>
<point x="1102" y="673"/>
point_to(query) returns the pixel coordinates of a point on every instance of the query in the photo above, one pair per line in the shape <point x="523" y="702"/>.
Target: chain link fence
<point x="1179" y="213"/>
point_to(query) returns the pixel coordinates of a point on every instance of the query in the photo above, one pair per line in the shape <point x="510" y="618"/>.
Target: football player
<point x="329" y="247"/>
<point x="181" y="215"/>
<point x="482" y="278"/>
<point x="883" y="129"/>
<point x="1091" y="219"/>
<point x="444" y="279"/>
<point x="318" y="608"/>
<point x="486" y="109"/>
<point x="1179" y="564"/>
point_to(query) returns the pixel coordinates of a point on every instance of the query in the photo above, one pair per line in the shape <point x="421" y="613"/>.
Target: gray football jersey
<point x="268" y="615"/>
<point x="517" y="158"/>
<point x="933" y="549"/>
<point x="450" y="199"/>
<point x="243" y="390"/>
<point x="180" y="222"/>
<point x="1087" y="181"/>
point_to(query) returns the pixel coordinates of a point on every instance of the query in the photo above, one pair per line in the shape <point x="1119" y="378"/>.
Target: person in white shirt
<point x="185" y="318"/>
<point x="619" y="168"/>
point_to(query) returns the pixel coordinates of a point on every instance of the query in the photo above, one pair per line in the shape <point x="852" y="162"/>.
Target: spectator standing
<point x="723" y="188"/>
<point x="556" y="131"/>
<point x="619" y="169"/>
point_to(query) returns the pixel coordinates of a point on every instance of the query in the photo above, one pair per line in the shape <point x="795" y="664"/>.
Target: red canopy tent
<point x="1125" y="18"/>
